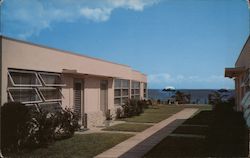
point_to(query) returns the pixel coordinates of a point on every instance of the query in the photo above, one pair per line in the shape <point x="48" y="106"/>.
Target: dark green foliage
<point x="134" y="107"/>
<point x="27" y="128"/>
<point x="130" y="108"/>
<point x="42" y="127"/>
<point x="118" y="113"/>
<point x="182" y="98"/>
<point x="158" y="101"/>
<point x="14" y="118"/>
<point x="108" y="115"/>
<point x="66" y="123"/>
<point x="149" y="102"/>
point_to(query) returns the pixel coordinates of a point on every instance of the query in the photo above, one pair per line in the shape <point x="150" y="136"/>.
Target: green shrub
<point x="134" y="107"/>
<point x="66" y="123"/>
<point x="108" y="115"/>
<point x="14" y="118"/>
<point x="158" y="101"/>
<point x="149" y="102"/>
<point x="42" y="126"/>
<point x="24" y="127"/>
<point x="141" y="105"/>
<point x="119" y="113"/>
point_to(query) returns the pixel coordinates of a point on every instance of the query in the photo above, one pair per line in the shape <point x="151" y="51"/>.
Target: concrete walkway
<point x="141" y="143"/>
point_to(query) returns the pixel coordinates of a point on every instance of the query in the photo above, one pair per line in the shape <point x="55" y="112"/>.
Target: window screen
<point x="50" y="79"/>
<point x="51" y="94"/>
<point x="51" y="106"/>
<point x="24" y="95"/>
<point x="24" y="78"/>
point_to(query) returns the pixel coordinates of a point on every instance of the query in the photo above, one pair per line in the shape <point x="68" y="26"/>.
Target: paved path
<point x="141" y="143"/>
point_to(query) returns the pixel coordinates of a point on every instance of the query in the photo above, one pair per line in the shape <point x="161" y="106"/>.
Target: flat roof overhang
<point x="234" y="72"/>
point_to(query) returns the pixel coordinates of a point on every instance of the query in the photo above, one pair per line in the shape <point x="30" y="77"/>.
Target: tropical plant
<point x="108" y="115"/>
<point x="24" y="127"/>
<point x="182" y="98"/>
<point x="66" y="123"/>
<point x="14" y="123"/>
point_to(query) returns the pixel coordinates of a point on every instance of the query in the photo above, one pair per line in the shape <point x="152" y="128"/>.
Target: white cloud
<point x="159" y="78"/>
<point x="137" y="5"/>
<point x="27" y="17"/>
<point x="96" y="14"/>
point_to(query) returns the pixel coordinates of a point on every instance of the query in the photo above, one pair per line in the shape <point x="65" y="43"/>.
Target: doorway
<point x="79" y="100"/>
<point x="104" y="96"/>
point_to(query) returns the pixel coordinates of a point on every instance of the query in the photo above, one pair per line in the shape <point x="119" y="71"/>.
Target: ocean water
<point x="198" y="96"/>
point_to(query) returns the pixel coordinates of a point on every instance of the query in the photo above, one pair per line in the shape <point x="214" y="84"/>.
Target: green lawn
<point x="128" y="127"/>
<point x="84" y="146"/>
<point x="155" y="115"/>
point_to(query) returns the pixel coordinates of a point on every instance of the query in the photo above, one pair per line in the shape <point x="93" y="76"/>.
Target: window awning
<point x="234" y="72"/>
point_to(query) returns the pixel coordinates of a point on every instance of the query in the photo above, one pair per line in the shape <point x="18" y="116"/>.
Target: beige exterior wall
<point x="22" y="55"/>
<point x="243" y="61"/>
<point x="244" y="57"/>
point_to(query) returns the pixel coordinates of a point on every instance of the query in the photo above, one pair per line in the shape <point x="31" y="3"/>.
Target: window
<point x="32" y="107"/>
<point x="118" y="83"/>
<point x="51" y="106"/>
<point x="50" y="93"/>
<point x="145" y="90"/>
<point x="121" y="91"/>
<point x="32" y="87"/>
<point x="135" y="90"/>
<point x="51" y="79"/>
<point x="23" y="78"/>
<point x="24" y="95"/>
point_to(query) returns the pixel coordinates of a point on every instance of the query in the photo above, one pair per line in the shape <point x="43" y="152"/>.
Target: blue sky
<point x="180" y="43"/>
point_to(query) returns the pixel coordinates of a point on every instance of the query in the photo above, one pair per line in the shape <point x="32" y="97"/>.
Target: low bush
<point x="66" y="123"/>
<point x="158" y="101"/>
<point x="26" y="128"/>
<point x="149" y="102"/>
<point x="133" y="108"/>
<point x="14" y="118"/>
<point x="119" y="114"/>
<point x="41" y="127"/>
<point x="108" y="115"/>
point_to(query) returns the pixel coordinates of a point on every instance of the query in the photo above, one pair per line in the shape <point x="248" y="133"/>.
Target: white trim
<point x="21" y="88"/>
<point x="51" y="74"/>
<point x="48" y="88"/>
<point x="24" y="85"/>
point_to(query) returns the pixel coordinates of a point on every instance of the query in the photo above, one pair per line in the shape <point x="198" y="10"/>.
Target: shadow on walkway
<point x="142" y="148"/>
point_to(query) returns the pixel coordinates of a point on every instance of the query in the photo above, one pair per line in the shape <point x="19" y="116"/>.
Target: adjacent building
<point x="49" y="78"/>
<point x="241" y="75"/>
